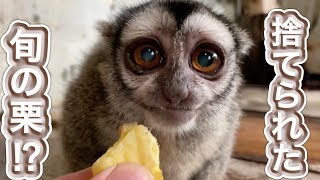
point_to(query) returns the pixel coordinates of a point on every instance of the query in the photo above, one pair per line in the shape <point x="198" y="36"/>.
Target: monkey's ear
<point x="106" y="29"/>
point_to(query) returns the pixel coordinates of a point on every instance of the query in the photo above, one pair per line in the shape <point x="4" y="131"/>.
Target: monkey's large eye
<point x="207" y="58"/>
<point x="147" y="56"/>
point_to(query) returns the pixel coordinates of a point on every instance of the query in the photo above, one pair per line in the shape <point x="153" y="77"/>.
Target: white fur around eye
<point x="212" y="28"/>
<point x="148" y="23"/>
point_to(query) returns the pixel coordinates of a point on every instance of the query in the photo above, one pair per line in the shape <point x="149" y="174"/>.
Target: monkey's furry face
<point x="177" y="60"/>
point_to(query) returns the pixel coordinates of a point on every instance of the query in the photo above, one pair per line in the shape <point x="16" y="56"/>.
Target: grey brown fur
<point x="107" y="94"/>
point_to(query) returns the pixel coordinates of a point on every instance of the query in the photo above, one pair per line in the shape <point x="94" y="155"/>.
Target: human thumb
<point x="126" y="171"/>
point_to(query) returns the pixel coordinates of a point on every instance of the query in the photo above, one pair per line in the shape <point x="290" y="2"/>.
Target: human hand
<point x="126" y="171"/>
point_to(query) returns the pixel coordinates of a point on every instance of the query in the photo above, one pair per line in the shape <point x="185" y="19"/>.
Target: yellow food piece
<point x="136" y="145"/>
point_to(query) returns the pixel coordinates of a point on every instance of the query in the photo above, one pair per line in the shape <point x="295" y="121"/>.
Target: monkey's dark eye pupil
<point x="205" y="59"/>
<point x="148" y="54"/>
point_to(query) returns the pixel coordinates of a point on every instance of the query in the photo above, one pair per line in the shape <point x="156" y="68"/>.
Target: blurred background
<point x="73" y="23"/>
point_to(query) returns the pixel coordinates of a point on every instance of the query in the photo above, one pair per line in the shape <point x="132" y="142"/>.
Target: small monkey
<point x="173" y="66"/>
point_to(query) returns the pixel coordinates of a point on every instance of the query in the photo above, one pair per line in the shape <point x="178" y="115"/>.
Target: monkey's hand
<point x="136" y="145"/>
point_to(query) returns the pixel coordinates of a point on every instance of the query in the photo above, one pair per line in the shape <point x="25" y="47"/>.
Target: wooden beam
<point x="251" y="142"/>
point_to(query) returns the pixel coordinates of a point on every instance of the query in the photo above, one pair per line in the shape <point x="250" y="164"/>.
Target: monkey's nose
<point x="175" y="94"/>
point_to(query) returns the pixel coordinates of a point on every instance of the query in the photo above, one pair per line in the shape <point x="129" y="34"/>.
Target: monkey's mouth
<point x="172" y="115"/>
<point x="168" y="108"/>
